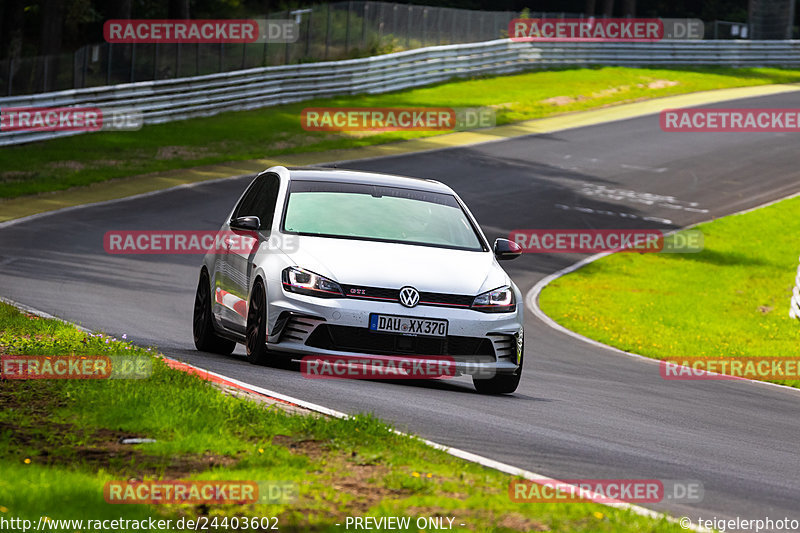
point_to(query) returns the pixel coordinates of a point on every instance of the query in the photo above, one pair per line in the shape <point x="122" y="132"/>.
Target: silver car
<point x="351" y="263"/>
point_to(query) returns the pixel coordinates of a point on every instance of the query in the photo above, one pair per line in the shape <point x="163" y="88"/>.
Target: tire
<point x="205" y="338"/>
<point x="256" y="332"/>
<point x="500" y="383"/>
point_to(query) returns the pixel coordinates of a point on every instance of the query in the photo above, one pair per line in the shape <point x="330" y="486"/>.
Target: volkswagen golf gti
<point x="347" y="263"/>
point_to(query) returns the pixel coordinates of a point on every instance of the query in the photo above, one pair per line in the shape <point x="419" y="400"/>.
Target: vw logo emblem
<point x="409" y="296"/>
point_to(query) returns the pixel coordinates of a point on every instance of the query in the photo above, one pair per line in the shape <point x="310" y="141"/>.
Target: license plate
<point x="429" y="327"/>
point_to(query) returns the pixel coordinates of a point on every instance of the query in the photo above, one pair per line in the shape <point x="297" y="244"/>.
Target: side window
<point x="267" y="200"/>
<point x="248" y="205"/>
<point x="260" y="200"/>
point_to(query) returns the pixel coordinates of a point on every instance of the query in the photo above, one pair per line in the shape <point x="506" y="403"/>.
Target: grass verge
<point x="730" y="300"/>
<point x="60" y="443"/>
<point x="268" y="132"/>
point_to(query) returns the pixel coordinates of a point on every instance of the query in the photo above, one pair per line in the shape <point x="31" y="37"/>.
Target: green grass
<point x="59" y="446"/>
<point x="273" y="131"/>
<point x="730" y="300"/>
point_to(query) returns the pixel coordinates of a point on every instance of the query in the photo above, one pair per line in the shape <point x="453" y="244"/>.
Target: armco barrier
<point x="794" y="304"/>
<point x="176" y="99"/>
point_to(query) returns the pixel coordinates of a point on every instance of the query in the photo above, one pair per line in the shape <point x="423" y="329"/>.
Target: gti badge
<point x="409" y="296"/>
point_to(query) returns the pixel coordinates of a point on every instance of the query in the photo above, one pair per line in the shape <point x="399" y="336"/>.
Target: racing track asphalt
<point x="581" y="411"/>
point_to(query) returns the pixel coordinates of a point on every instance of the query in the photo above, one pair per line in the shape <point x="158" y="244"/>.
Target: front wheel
<point x="205" y="338"/>
<point x="256" y="331"/>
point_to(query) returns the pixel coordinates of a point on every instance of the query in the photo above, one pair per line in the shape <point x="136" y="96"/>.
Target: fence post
<point x="308" y="33"/>
<point x="424" y="27"/>
<point x="453" y="28"/>
<point x="394" y="22"/>
<point x="408" y="29"/>
<point x="347" y="28"/>
<point x="219" y="59"/>
<point x="46" y="60"/>
<point x="11" y="74"/>
<point x="155" y="61"/>
<point x="381" y="19"/>
<point x="178" y="60"/>
<point x="109" y="57"/>
<point x="328" y="31"/>
<point x="364" y="26"/>
<point x="266" y="43"/>
<point x="439" y="13"/>
<point x="85" y="65"/>
<point x="133" y="64"/>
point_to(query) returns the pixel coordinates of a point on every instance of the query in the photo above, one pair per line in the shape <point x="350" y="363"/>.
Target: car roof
<point x="368" y="178"/>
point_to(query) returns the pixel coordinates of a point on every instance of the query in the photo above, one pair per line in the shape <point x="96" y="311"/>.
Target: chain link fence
<point x="334" y="31"/>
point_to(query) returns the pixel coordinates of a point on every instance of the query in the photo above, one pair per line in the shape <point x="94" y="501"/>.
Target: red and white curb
<point x="220" y="379"/>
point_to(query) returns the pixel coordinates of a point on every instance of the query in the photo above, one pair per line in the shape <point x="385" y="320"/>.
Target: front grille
<point x="425" y="298"/>
<point x="361" y="340"/>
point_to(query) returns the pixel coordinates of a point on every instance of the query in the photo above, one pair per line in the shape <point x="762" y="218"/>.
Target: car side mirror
<point x="505" y="249"/>
<point x="246" y="223"/>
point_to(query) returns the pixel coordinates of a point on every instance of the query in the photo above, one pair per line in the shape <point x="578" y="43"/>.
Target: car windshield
<point x="378" y="213"/>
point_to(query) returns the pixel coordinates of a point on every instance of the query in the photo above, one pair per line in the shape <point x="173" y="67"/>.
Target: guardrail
<point x="177" y="99"/>
<point x="794" y="304"/>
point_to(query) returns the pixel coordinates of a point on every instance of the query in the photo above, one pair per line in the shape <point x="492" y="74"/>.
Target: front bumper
<point x="480" y="344"/>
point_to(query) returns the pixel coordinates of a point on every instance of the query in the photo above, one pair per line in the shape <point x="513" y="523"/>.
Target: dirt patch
<point x="181" y="152"/>
<point x="517" y="522"/>
<point x="661" y="84"/>
<point x="562" y="100"/>
<point x="69" y="165"/>
<point x="566" y="100"/>
<point x="16" y="175"/>
<point x="31" y="428"/>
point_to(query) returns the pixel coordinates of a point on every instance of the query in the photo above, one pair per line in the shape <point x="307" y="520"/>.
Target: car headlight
<point x="306" y="282"/>
<point x="500" y="300"/>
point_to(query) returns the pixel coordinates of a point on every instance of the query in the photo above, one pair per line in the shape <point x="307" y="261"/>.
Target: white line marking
<point x="455" y="452"/>
<point x="532" y="301"/>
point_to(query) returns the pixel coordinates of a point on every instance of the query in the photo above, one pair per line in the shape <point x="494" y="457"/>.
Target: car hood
<point x="391" y="265"/>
